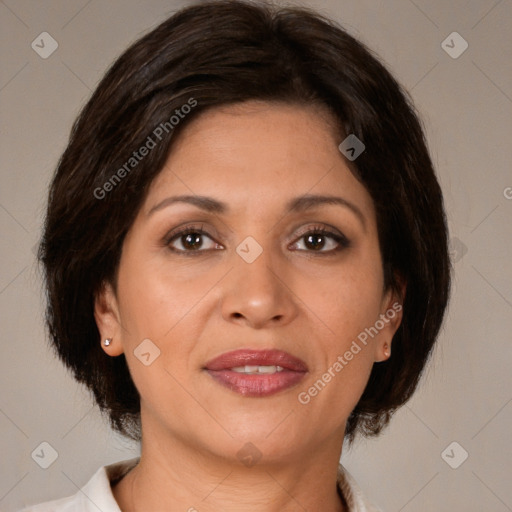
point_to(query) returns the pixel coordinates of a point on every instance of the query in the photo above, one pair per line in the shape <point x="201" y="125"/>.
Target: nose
<point x="259" y="294"/>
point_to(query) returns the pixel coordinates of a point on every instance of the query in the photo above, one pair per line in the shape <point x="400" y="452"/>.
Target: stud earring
<point x="387" y="350"/>
<point x="107" y="342"/>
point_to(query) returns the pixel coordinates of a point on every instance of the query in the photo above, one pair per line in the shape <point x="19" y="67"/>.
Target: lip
<point x="271" y="357"/>
<point x="294" y="370"/>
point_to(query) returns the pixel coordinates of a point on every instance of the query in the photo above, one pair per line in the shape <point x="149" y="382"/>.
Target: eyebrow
<point x="296" y="205"/>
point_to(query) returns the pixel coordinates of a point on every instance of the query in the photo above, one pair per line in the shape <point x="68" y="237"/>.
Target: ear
<point x="391" y="316"/>
<point x="106" y="314"/>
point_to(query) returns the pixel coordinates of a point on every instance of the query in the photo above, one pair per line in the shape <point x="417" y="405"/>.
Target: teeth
<point x="255" y="370"/>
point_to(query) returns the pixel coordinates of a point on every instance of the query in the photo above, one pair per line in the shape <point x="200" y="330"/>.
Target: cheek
<point x="347" y="304"/>
<point x="157" y="297"/>
<point x="157" y="305"/>
<point x="166" y="305"/>
<point x="349" y="301"/>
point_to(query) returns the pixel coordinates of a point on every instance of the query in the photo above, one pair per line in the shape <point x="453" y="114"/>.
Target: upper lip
<point x="269" y="357"/>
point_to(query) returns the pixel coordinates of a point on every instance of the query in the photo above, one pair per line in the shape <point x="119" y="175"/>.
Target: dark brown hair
<point x="218" y="53"/>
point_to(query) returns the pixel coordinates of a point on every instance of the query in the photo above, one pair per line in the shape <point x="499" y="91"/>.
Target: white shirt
<point x="97" y="495"/>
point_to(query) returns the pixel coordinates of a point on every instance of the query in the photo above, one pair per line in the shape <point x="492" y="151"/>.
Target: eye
<point x="191" y="239"/>
<point x="321" y="240"/>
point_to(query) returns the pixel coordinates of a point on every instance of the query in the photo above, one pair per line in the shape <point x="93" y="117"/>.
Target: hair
<point x="217" y="53"/>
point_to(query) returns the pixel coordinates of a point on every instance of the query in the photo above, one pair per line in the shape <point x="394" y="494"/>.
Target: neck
<point x="175" y="476"/>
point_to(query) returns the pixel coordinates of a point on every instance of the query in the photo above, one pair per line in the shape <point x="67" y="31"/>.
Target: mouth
<point x="256" y="373"/>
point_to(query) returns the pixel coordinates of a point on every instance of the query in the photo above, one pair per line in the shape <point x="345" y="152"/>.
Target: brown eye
<point x="315" y="242"/>
<point x="322" y="241"/>
<point x="191" y="240"/>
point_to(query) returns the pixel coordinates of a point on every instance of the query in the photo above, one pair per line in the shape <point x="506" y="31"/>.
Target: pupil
<point x="192" y="240"/>
<point x="310" y="241"/>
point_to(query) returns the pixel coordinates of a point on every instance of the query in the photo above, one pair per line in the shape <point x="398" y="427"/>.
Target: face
<point x="254" y="266"/>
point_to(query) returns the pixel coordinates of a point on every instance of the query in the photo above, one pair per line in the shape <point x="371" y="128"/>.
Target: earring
<point x="387" y="350"/>
<point x="107" y="342"/>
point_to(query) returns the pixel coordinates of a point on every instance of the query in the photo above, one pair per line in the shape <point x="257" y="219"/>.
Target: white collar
<point x="96" y="495"/>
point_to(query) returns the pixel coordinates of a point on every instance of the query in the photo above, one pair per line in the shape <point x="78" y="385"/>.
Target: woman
<point x="246" y="262"/>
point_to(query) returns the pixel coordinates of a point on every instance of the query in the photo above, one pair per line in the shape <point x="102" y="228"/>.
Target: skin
<point x="306" y="299"/>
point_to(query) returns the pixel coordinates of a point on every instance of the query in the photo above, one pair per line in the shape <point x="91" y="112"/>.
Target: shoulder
<point x="95" y="494"/>
<point x="356" y="501"/>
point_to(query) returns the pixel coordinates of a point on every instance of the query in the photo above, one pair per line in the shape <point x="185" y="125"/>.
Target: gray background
<point x="466" y="104"/>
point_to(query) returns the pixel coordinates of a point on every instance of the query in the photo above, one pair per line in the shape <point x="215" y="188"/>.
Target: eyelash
<point x="339" y="238"/>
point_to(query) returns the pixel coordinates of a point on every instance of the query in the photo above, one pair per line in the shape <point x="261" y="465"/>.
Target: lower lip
<point x="257" y="385"/>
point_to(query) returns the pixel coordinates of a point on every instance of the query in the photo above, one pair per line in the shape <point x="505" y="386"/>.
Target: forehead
<point x="269" y="151"/>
